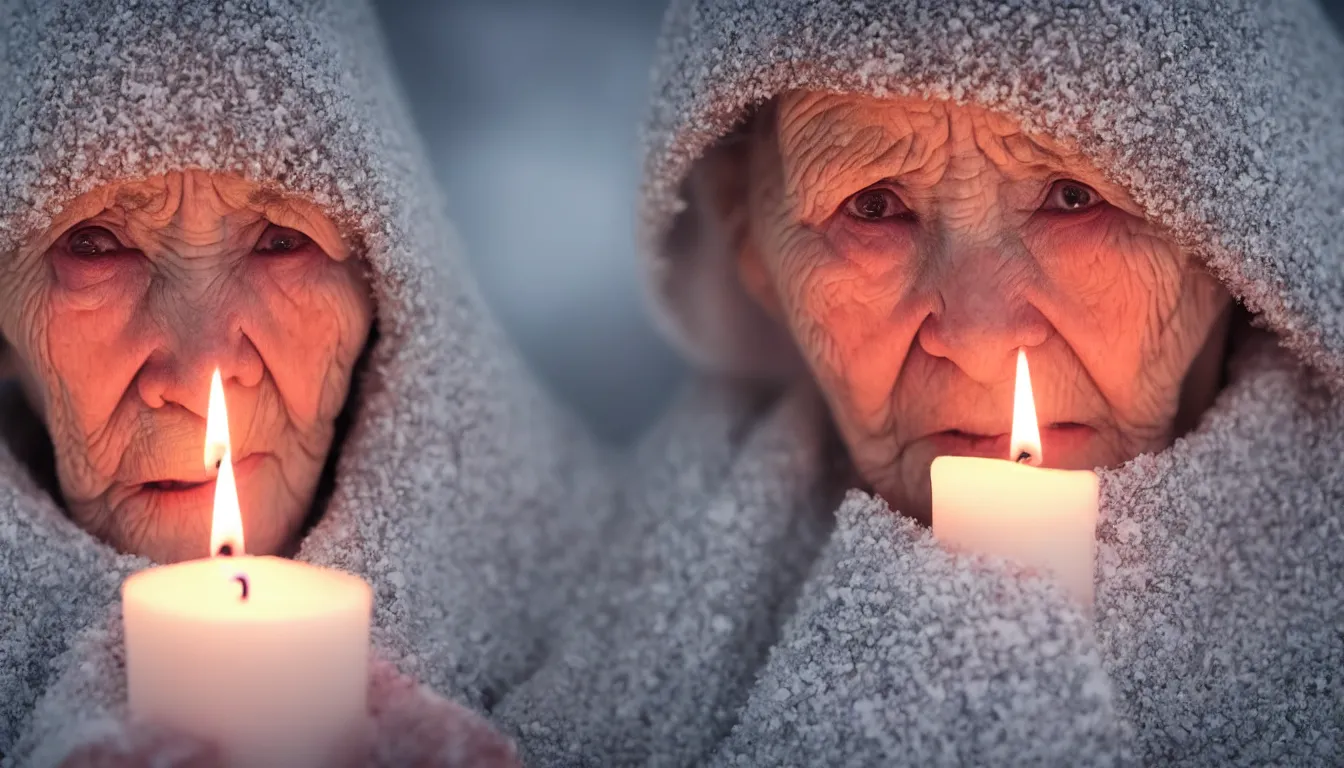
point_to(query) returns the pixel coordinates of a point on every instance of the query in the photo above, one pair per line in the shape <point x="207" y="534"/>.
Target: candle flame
<point x="226" y="527"/>
<point x="216" y="424"/>
<point x="1025" y="446"/>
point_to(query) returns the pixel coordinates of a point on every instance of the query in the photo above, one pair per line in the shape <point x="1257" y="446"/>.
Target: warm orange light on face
<point x="226" y="527"/>
<point x="1026" y="441"/>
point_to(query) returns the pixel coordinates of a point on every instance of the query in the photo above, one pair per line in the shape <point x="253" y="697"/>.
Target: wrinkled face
<point x="911" y="247"/>
<point x="121" y="311"/>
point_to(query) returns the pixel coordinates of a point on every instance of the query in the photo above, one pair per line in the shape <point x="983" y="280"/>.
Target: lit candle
<point x="264" y="657"/>
<point x="1039" y="518"/>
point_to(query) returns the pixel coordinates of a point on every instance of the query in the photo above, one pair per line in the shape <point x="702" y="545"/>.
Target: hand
<point x="409" y="725"/>
<point x="140" y="744"/>
<point x="414" y="726"/>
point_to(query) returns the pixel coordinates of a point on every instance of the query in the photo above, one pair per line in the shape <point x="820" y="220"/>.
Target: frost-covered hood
<point x="1219" y="614"/>
<point x="460" y="491"/>
<point x="1223" y="118"/>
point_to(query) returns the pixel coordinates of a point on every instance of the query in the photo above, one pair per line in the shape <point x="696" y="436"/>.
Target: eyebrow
<point x="875" y="154"/>
<point x="262" y="197"/>
<point x="130" y="196"/>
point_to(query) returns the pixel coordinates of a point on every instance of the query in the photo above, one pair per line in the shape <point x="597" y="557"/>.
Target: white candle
<point x="264" y="657"/>
<point x="1040" y="518"/>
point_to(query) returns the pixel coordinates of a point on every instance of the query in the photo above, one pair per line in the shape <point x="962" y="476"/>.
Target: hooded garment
<point x="460" y="493"/>
<point x="757" y="614"/>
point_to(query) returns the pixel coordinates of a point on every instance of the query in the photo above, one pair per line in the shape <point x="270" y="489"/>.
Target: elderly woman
<point x="235" y="187"/>
<point x="856" y="215"/>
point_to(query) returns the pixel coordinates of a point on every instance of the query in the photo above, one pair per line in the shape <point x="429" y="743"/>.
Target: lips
<point x="195" y="481"/>
<point x="173" y="485"/>
<point x="1064" y="435"/>
<point x="954" y="442"/>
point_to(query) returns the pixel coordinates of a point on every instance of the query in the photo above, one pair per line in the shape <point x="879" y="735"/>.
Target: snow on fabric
<point x="461" y="494"/>
<point x="742" y="621"/>
<point x="745" y="632"/>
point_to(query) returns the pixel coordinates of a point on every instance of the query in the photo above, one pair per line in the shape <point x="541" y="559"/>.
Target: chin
<point x="912" y="500"/>
<point x="272" y="518"/>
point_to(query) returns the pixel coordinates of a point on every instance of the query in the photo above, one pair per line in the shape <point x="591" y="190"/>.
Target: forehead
<point x="186" y="196"/>
<point x="809" y="120"/>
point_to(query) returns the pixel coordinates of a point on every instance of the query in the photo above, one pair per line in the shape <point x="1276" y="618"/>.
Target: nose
<point x="983" y="313"/>
<point x="179" y="371"/>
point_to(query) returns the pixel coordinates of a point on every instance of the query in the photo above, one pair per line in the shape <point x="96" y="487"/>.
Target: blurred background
<point x="530" y="111"/>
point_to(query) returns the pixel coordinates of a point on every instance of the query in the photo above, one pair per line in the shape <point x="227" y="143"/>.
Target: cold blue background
<point x="530" y="110"/>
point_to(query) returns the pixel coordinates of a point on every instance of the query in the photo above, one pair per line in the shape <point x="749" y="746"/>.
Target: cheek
<point x="848" y="293"/>
<point x="314" y="319"/>
<point x="1124" y="280"/>
<point x="1115" y="289"/>
<point x="95" y="307"/>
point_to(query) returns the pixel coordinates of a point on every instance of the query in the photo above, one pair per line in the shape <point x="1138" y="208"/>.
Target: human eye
<point x="88" y="241"/>
<point x="280" y="240"/>
<point x="877" y="203"/>
<point x="1069" y="196"/>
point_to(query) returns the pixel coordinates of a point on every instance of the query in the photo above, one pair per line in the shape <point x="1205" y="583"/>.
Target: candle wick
<point x="1024" y="457"/>
<point x="226" y="550"/>
<point x="242" y="580"/>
